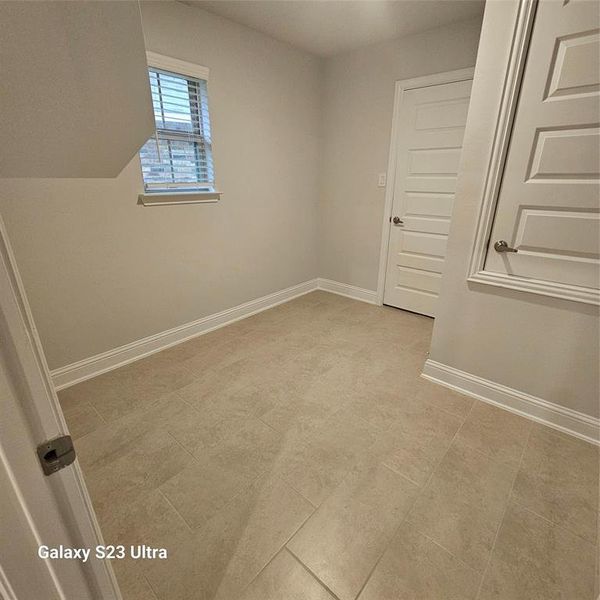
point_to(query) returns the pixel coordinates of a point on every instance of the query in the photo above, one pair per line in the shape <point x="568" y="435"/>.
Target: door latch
<point x="56" y="454"/>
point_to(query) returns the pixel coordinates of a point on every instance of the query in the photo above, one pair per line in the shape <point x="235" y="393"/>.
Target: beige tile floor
<point x="298" y="455"/>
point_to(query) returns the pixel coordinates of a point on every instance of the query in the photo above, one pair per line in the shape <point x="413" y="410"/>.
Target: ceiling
<point x="328" y="27"/>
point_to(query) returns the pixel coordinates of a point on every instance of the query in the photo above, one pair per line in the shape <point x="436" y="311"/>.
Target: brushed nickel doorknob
<point x="503" y="246"/>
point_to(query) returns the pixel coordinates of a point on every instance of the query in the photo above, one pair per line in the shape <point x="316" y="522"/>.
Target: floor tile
<point x="143" y="468"/>
<point x="150" y="520"/>
<point x="443" y="398"/>
<point x="82" y="419"/>
<point x="202" y="489"/>
<point x="297" y="416"/>
<point x="221" y="448"/>
<point x="414" y="446"/>
<point x="381" y="409"/>
<point x="348" y="533"/>
<point x="110" y="441"/>
<point x="221" y="382"/>
<point x="496" y="432"/>
<point x="199" y="491"/>
<point x="226" y="554"/>
<point x="462" y="505"/>
<point x="128" y="388"/>
<point x="415" y="567"/>
<point x="132" y="581"/>
<point x="558" y="480"/>
<point x="317" y="462"/>
<point x="535" y="560"/>
<point x="284" y="578"/>
<point x="251" y="450"/>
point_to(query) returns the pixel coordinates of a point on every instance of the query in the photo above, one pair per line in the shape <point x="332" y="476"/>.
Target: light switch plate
<point x="381" y="179"/>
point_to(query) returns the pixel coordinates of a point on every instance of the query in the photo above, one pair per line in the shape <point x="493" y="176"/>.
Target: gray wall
<point x="542" y="346"/>
<point x="64" y="61"/>
<point x="357" y="119"/>
<point x="101" y="271"/>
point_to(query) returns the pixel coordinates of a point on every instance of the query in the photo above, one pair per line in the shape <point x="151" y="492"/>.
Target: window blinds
<point x="179" y="156"/>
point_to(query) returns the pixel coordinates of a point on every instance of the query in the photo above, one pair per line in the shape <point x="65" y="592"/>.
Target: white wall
<point x="542" y="346"/>
<point x="101" y="271"/>
<point x="357" y="119"/>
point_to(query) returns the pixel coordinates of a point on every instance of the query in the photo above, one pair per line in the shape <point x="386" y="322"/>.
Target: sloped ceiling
<point x="75" y="95"/>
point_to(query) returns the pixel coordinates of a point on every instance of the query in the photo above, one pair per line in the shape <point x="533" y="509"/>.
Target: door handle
<point x="503" y="246"/>
<point x="397" y="221"/>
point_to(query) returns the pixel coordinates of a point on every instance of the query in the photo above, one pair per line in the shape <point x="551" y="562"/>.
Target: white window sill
<point x="167" y="198"/>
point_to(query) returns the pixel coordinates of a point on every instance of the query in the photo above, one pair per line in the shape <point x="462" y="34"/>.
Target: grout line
<point x="181" y="446"/>
<point x="150" y="586"/>
<point x="258" y="418"/>
<point x="283" y="547"/>
<point x="103" y="419"/>
<point x="398" y="473"/>
<point x="186" y="402"/>
<point x="321" y="583"/>
<point x="553" y="523"/>
<point x="263" y="568"/>
<point x="315" y="506"/>
<point x="175" y="509"/>
<point x="508" y="500"/>
<point x="404" y="520"/>
<point x="462" y="562"/>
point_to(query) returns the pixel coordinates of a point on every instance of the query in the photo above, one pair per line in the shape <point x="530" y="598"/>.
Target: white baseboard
<point x="350" y="291"/>
<point x="558" y="417"/>
<point x="112" y="359"/>
<point x="107" y="361"/>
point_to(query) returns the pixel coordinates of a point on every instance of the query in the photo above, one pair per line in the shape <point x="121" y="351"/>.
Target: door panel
<point x="431" y="125"/>
<point x="549" y="203"/>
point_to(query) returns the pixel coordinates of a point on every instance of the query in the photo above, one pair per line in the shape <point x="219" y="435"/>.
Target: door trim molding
<point x="553" y="415"/>
<point x="403" y="85"/>
<point x="40" y="418"/>
<point x="522" y="30"/>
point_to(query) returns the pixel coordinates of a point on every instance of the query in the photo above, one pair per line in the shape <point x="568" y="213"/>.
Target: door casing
<point x="45" y="509"/>
<point x="522" y="30"/>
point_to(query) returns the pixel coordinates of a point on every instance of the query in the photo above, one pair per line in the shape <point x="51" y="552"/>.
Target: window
<point x="177" y="160"/>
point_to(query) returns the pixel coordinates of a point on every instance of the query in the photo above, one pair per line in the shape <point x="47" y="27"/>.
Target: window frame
<point x="178" y="193"/>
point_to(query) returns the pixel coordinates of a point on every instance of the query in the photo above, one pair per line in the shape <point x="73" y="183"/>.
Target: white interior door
<point x="548" y="206"/>
<point x="35" y="509"/>
<point x="430" y="125"/>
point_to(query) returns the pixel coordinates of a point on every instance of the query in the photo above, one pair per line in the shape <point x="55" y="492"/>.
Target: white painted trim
<point x="350" y="291"/>
<point x="506" y="114"/>
<point x="174" y="65"/>
<point x="174" y="197"/>
<point x="538" y="286"/>
<point x="401" y="86"/>
<point x="553" y="415"/>
<point x="6" y="590"/>
<point x="510" y="93"/>
<point x="35" y="418"/>
<point x="112" y="359"/>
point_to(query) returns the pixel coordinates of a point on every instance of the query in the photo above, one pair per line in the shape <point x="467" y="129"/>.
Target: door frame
<point x="522" y="31"/>
<point x="49" y="508"/>
<point x="402" y="86"/>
